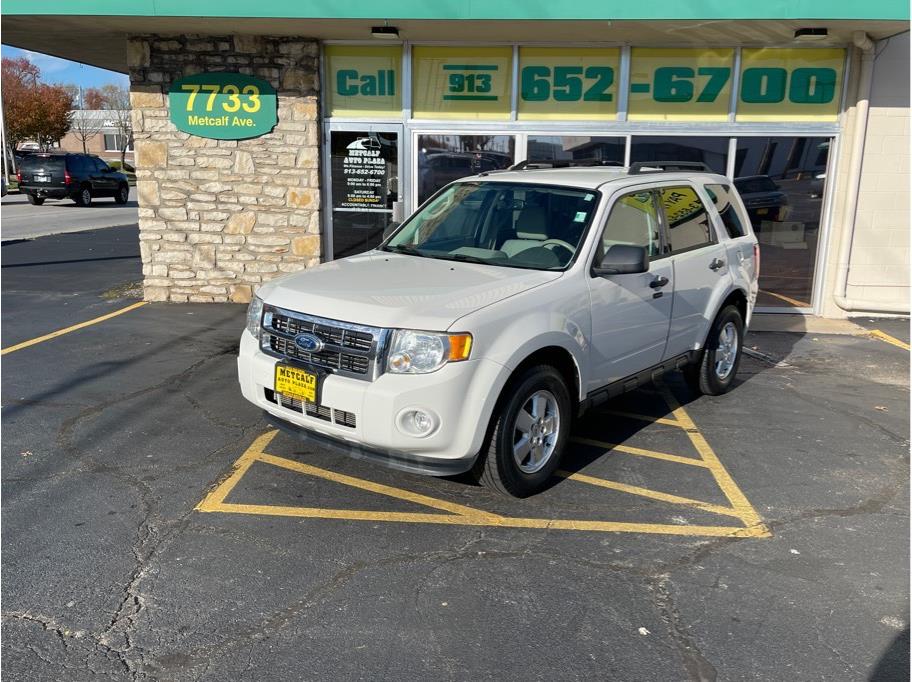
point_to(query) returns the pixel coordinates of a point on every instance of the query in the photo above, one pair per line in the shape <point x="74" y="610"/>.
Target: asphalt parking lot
<point x="155" y="528"/>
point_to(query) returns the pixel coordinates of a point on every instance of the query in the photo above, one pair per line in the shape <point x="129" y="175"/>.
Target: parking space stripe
<point x="75" y="327"/>
<point x="641" y="417"/>
<point x="883" y="336"/>
<point x="640" y="452"/>
<point x="649" y="493"/>
<point x="379" y="488"/>
<point x="726" y="483"/>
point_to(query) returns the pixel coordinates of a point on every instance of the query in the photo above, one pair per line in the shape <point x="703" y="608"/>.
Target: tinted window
<point x="77" y="164"/>
<point x="686" y="218"/>
<point x="34" y="162"/>
<point x="99" y="164"/>
<point x="634" y="220"/>
<point x="721" y="196"/>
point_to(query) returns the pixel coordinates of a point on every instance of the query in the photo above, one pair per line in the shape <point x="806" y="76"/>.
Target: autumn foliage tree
<point x="33" y="110"/>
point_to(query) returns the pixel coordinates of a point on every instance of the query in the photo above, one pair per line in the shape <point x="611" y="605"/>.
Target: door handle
<point x="716" y="264"/>
<point x="658" y="282"/>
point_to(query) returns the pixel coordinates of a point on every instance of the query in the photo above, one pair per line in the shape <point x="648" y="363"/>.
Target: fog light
<point x="416" y="422"/>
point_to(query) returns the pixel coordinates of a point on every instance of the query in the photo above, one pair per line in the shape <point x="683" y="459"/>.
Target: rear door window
<point x="723" y="200"/>
<point x="687" y="222"/>
<point x="41" y="163"/>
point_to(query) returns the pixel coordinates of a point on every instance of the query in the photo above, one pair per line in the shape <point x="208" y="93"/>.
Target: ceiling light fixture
<point x="811" y="34"/>
<point x="385" y="32"/>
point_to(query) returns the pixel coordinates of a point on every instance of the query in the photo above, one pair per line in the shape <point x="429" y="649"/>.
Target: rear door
<point x="630" y="313"/>
<point x="700" y="261"/>
<point x="43" y="171"/>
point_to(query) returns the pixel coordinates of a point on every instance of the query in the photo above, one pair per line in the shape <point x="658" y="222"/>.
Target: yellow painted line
<point x="726" y="483"/>
<point x="640" y="452"/>
<point x="221" y="491"/>
<point x="883" y="336"/>
<point x="373" y="487"/>
<point x="788" y="299"/>
<point x="75" y="327"/>
<point x="649" y="493"/>
<point x="642" y="417"/>
<point x="759" y="531"/>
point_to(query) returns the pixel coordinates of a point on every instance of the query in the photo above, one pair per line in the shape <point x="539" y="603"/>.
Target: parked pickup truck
<point x="507" y="305"/>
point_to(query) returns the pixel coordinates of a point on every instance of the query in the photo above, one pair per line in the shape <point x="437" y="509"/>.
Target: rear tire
<point x="714" y="372"/>
<point x="122" y="195"/>
<point x="83" y="197"/>
<point x="528" y="433"/>
<point x="35" y="201"/>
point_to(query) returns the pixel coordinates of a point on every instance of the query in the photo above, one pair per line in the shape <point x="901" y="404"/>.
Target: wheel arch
<point x="736" y="297"/>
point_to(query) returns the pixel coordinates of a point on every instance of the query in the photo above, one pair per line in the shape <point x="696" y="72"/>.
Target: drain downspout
<point x="866" y="45"/>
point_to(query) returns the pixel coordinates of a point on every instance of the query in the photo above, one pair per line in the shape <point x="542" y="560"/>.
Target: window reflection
<point x="781" y="181"/>
<point x="575" y="148"/>
<point x="445" y="158"/>
<point x="713" y="151"/>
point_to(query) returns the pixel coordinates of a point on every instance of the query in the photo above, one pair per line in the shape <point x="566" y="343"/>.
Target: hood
<point x="394" y="290"/>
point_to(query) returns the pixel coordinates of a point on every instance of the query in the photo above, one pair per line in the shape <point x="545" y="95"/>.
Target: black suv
<point x="81" y="177"/>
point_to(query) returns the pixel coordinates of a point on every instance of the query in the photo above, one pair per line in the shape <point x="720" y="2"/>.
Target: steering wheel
<point x="550" y="243"/>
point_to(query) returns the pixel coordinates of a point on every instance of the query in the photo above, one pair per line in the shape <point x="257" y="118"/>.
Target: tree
<point x="85" y="124"/>
<point x="93" y="98"/>
<point x="33" y="110"/>
<point x="117" y="101"/>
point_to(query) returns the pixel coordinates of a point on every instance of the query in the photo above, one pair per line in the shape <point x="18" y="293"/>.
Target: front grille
<point x="349" y="349"/>
<point x="340" y="417"/>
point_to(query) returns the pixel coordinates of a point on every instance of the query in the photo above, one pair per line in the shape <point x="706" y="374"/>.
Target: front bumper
<point x="461" y="395"/>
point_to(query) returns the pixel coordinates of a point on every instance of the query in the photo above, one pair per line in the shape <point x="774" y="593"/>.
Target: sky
<point x="63" y="71"/>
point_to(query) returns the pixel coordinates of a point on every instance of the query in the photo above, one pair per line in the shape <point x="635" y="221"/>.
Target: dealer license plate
<point x="296" y="383"/>
<point x="40" y="178"/>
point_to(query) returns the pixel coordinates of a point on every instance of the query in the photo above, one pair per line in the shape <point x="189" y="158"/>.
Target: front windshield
<point x="517" y="225"/>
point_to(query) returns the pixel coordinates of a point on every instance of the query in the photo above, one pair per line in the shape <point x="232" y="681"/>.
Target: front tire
<point x="34" y="200"/>
<point x="528" y="435"/>
<point x="123" y="194"/>
<point x="715" y="370"/>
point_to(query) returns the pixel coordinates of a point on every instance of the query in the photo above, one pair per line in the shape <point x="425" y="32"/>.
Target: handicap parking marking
<point x="449" y="513"/>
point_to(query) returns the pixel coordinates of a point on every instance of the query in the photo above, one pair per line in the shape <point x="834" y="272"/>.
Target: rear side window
<point x="686" y="219"/>
<point x="722" y="198"/>
<point x="78" y="164"/>
<point x="634" y="221"/>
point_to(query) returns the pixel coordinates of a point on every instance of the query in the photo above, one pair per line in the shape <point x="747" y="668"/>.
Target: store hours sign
<point x="224" y="106"/>
<point x="360" y="177"/>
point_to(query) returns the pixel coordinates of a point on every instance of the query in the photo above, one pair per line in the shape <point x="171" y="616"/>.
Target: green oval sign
<point x="224" y="106"/>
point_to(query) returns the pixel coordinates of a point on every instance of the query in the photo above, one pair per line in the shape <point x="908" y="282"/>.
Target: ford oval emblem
<point x="309" y="343"/>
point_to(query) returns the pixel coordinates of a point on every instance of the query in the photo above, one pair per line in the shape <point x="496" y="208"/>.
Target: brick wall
<point x="219" y="217"/>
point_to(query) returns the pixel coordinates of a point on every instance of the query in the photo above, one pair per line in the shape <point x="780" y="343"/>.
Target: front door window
<point x="364" y="186"/>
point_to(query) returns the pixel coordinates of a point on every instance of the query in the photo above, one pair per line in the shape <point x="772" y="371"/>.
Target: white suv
<point x="504" y="307"/>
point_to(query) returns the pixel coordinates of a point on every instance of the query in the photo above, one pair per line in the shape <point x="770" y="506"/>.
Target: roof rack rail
<point x="564" y="163"/>
<point x="667" y="167"/>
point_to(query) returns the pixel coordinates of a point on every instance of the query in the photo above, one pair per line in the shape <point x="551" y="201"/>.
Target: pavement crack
<point x="698" y="668"/>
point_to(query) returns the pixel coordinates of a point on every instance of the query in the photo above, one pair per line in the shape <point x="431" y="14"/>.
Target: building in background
<point x="103" y="133"/>
<point x="279" y="135"/>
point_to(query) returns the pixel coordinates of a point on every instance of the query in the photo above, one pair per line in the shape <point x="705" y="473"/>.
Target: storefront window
<point x="575" y="148"/>
<point x="445" y="158"/>
<point x="713" y="151"/>
<point x="781" y="181"/>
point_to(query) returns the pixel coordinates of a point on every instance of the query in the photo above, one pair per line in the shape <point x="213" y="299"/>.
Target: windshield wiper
<point x="467" y="259"/>
<point x="402" y="248"/>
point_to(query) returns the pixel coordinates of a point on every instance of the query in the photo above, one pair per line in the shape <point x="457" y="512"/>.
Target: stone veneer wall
<point x="218" y="217"/>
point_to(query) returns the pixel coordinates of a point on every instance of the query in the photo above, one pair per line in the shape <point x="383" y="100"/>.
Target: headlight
<point x="413" y="352"/>
<point x="254" y="313"/>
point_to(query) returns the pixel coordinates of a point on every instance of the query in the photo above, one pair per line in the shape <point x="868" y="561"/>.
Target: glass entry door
<point x="364" y="163"/>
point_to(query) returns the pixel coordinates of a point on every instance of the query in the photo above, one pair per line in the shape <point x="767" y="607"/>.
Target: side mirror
<point x="389" y="229"/>
<point x="622" y="259"/>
